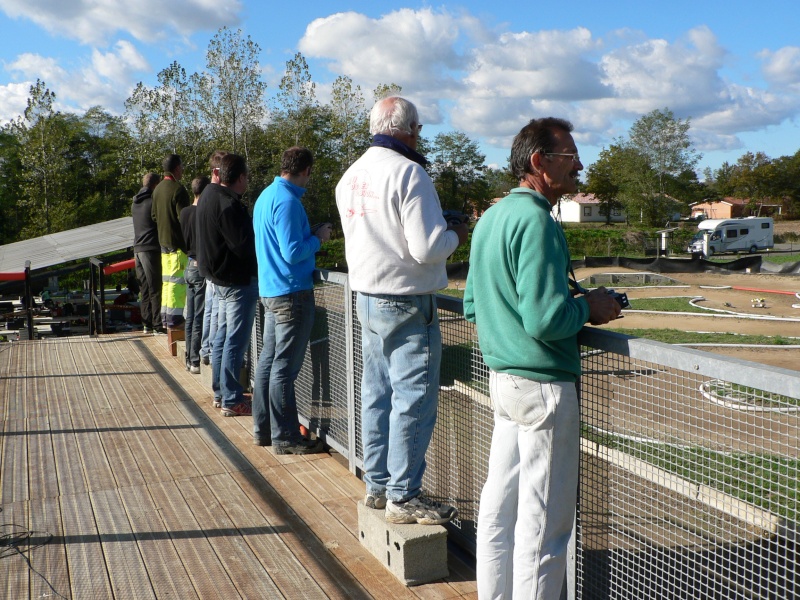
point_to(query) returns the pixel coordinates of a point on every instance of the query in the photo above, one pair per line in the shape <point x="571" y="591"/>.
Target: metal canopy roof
<point x="75" y="244"/>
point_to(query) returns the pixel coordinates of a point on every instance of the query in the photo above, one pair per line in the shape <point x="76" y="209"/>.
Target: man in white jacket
<point x="396" y="244"/>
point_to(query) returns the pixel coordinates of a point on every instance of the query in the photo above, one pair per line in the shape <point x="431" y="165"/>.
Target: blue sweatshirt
<point x="285" y="247"/>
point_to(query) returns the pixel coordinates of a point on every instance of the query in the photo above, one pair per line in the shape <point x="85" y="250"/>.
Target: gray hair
<point x="393" y="115"/>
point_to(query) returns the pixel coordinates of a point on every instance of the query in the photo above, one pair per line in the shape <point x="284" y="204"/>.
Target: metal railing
<point x="689" y="461"/>
<point x="97" y="297"/>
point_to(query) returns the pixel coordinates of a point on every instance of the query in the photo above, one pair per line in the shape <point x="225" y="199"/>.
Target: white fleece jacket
<point x="396" y="239"/>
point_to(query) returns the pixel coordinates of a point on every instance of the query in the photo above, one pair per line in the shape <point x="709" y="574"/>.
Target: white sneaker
<point x="420" y="510"/>
<point x="375" y="501"/>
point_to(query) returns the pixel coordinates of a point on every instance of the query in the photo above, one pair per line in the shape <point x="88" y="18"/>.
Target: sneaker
<point x="240" y="409"/>
<point x="205" y="360"/>
<point x="258" y="441"/>
<point x="375" y="501"/>
<point x="301" y="447"/>
<point x="159" y="331"/>
<point x="147" y="330"/>
<point x="217" y="402"/>
<point x="419" y="510"/>
<point x="194" y="369"/>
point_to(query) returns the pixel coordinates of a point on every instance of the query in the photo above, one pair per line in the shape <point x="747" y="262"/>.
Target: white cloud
<point x="33" y="66"/>
<point x="105" y="81"/>
<point x="13" y="100"/>
<point x="95" y="21"/>
<point x="653" y="74"/>
<point x="119" y="65"/>
<point x="782" y="67"/>
<point x="417" y="50"/>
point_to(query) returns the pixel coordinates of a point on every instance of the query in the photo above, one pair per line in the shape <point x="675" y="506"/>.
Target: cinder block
<point x="180" y="348"/>
<point x="173" y="336"/>
<point x="415" y="554"/>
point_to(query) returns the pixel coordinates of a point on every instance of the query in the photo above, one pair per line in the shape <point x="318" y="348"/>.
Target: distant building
<point x="729" y="208"/>
<point x="585" y="208"/>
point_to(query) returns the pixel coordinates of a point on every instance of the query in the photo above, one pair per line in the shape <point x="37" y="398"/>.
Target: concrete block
<point x="415" y="554"/>
<point x="180" y="348"/>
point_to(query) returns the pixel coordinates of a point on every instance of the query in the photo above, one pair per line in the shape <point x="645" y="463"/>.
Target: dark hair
<point x="296" y="160"/>
<point x="171" y="162"/>
<point x="231" y="167"/>
<point x="536" y="136"/>
<point x="215" y="158"/>
<point x="151" y="180"/>
<point x="199" y="184"/>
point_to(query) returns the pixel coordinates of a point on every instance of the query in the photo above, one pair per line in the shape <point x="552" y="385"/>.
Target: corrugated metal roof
<point x="75" y="244"/>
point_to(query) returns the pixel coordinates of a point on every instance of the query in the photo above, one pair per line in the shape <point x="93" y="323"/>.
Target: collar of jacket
<point x="387" y="141"/>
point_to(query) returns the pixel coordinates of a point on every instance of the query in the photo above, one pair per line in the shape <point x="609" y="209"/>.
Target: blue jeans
<point x="237" y="303"/>
<point x="195" y="304"/>
<point x="527" y="505"/>
<point x="209" y="320"/>
<point x="402" y="352"/>
<point x="287" y="328"/>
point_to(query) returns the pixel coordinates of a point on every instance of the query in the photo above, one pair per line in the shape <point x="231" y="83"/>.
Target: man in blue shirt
<point x="285" y="248"/>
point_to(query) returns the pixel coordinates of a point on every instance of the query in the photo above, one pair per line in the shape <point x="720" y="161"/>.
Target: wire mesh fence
<point x="689" y="460"/>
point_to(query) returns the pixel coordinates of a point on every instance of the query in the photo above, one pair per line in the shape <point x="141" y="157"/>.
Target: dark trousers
<point x="148" y="272"/>
<point x="195" y="305"/>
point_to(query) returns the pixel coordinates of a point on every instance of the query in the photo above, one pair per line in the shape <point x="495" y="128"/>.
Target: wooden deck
<point x="119" y="480"/>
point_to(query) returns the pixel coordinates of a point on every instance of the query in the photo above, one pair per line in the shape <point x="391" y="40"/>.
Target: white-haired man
<point x="396" y="244"/>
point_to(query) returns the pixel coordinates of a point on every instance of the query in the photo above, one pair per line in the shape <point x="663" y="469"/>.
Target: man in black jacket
<point x="226" y="255"/>
<point x="147" y="253"/>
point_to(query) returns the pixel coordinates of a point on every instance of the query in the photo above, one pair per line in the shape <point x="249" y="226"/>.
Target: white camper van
<point x="748" y="234"/>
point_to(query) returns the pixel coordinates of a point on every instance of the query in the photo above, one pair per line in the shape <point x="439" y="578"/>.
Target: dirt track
<point x="717" y="289"/>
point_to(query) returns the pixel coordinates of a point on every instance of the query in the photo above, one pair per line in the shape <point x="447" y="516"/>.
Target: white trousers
<point x="527" y="505"/>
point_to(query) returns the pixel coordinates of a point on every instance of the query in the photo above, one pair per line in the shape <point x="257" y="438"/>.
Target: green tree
<point x="103" y="176"/>
<point x="457" y="169"/>
<point x="604" y="182"/>
<point x="44" y="146"/>
<point x="349" y="121"/>
<point x="231" y="90"/>
<point x="296" y="104"/>
<point x="13" y="218"/>
<point x="384" y="90"/>
<point x="657" y="152"/>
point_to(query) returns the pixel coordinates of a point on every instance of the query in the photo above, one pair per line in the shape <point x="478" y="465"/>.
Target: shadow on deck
<point x="120" y="480"/>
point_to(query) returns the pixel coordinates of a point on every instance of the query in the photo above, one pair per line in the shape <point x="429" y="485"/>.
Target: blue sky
<point x="733" y="67"/>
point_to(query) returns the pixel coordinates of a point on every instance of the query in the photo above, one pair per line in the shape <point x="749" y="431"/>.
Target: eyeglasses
<point x="573" y="155"/>
<point x="416" y="127"/>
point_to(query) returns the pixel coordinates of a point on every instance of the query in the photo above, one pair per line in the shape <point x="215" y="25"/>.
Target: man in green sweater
<point x="169" y="198"/>
<point x="519" y="296"/>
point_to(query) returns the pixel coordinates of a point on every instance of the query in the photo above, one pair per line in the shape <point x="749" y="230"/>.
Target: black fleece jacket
<point x="225" y="243"/>
<point x="145" y="232"/>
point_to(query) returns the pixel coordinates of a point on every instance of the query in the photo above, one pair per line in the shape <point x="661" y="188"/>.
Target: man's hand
<point x="602" y="307"/>
<point x="462" y="229"/>
<point x="323" y="232"/>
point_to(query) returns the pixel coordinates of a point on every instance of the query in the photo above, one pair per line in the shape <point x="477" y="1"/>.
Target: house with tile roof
<point x="729" y="208"/>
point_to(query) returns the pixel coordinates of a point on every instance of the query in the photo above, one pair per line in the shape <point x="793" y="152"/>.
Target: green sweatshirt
<point x="518" y="292"/>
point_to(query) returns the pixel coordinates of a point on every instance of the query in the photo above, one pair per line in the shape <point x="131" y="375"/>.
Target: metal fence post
<point x="350" y="324"/>
<point x="28" y="299"/>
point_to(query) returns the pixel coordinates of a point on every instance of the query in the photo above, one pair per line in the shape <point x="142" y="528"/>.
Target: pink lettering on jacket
<point x="359" y="189"/>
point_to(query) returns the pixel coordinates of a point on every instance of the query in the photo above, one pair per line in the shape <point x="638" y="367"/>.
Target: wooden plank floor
<point x="118" y="479"/>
